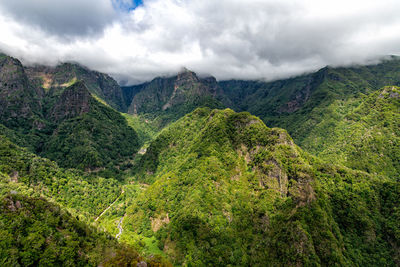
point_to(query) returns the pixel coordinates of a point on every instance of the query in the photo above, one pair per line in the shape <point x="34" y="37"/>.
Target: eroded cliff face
<point x="74" y="101"/>
<point x="19" y="102"/>
<point x="185" y="91"/>
<point x="65" y="74"/>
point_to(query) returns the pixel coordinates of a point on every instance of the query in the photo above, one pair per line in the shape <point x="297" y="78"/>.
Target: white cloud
<point x="250" y="39"/>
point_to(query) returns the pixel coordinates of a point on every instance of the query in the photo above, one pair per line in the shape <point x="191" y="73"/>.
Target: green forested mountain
<point x="83" y="184"/>
<point x="364" y="134"/>
<point x="64" y="122"/>
<point x="87" y="133"/>
<point x="310" y="107"/>
<point x="226" y="189"/>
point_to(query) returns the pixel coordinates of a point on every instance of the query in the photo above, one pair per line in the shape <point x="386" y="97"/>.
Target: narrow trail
<point x="120" y="227"/>
<point x="104" y="211"/>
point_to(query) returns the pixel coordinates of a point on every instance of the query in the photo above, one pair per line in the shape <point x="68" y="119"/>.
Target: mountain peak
<point x="74" y="101"/>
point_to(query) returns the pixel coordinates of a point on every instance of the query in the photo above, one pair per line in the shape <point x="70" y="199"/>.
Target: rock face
<point x="184" y="91"/>
<point x="99" y="84"/>
<point x="19" y="102"/>
<point x="74" y="101"/>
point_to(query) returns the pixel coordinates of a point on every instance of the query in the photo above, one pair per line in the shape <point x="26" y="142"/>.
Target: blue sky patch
<point x="126" y="5"/>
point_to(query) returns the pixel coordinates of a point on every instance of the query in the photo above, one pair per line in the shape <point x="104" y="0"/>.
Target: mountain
<point x="87" y="134"/>
<point x="83" y="184"/>
<point x="20" y="105"/>
<point x="99" y="84"/>
<point x="62" y="119"/>
<point x="173" y="97"/>
<point x="311" y="106"/>
<point x="224" y="189"/>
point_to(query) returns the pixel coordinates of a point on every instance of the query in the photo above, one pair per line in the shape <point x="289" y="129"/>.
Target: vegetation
<point x="225" y="189"/>
<point x="365" y="135"/>
<point x="84" y="185"/>
<point x="93" y="139"/>
<point x="145" y="128"/>
<point x="36" y="232"/>
<point x="87" y="196"/>
<point x="314" y="109"/>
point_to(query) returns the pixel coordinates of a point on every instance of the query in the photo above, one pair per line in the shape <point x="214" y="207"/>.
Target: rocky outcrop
<point x="65" y="74"/>
<point x="74" y="101"/>
<point x="163" y="94"/>
<point x="19" y="101"/>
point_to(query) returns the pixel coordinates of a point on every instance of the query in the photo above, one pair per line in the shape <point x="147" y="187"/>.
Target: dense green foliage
<point x="365" y="134"/>
<point x="315" y="107"/>
<point x="145" y="128"/>
<point x="87" y="196"/>
<point x="214" y="188"/>
<point x="228" y="190"/>
<point x="93" y="139"/>
<point x="36" y="232"/>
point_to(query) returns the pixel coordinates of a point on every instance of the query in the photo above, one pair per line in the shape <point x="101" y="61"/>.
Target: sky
<point x="137" y="40"/>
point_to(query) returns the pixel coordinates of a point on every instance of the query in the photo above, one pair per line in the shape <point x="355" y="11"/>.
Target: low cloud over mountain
<point x="253" y="39"/>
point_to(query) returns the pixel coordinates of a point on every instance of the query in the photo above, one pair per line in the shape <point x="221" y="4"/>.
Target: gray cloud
<point x="69" y="18"/>
<point x="253" y="39"/>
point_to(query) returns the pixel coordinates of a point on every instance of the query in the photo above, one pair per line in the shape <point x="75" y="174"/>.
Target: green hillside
<point x="86" y="196"/>
<point x="365" y="134"/>
<point x="225" y="189"/>
<point x="64" y="122"/>
<point x="314" y="108"/>
<point x="176" y="180"/>
<point x="88" y="134"/>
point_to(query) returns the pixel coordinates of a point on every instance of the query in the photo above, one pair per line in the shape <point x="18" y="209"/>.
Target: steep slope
<point x="366" y="138"/>
<point x="35" y="176"/>
<point x="173" y="97"/>
<point x="37" y="232"/>
<point x="99" y="84"/>
<point x="65" y="122"/>
<point x="87" y="134"/>
<point x="20" y="106"/>
<point x="226" y="190"/>
<point x="298" y="104"/>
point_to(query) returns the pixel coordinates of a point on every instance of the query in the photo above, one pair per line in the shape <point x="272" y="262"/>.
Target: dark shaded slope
<point x="173" y="97"/>
<point x="20" y="103"/>
<point x="87" y="134"/>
